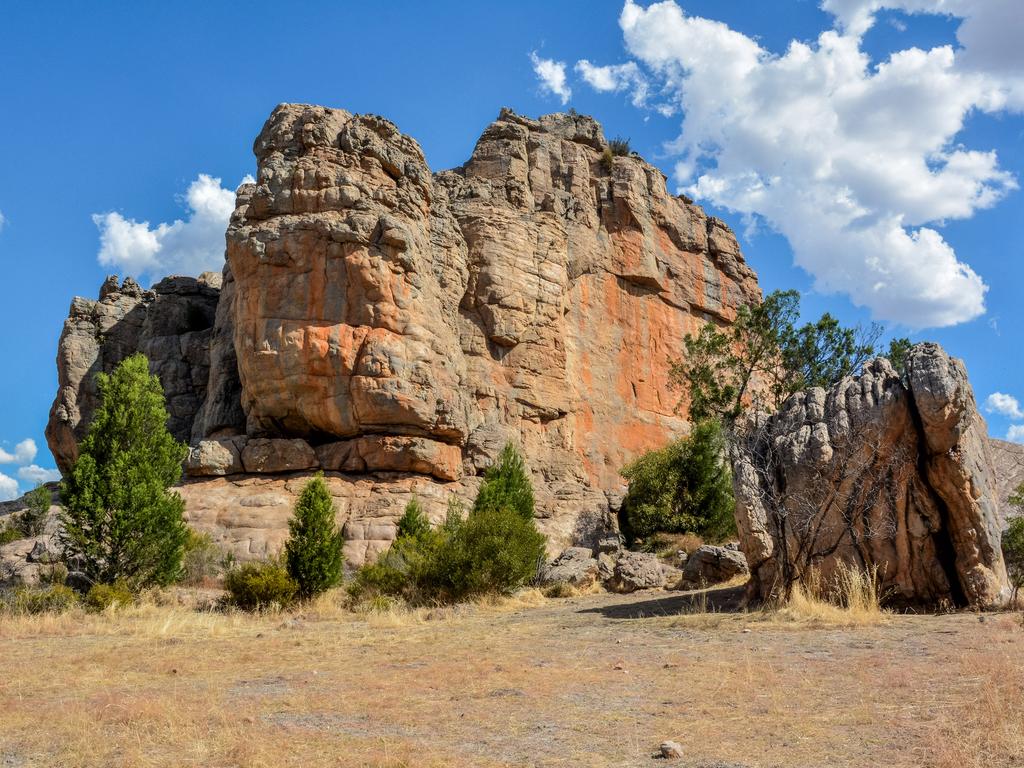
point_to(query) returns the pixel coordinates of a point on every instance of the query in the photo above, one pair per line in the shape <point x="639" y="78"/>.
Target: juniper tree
<point x="313" y="551"/>
<point x="121" y="521"/>
<point x="506" y="485"/>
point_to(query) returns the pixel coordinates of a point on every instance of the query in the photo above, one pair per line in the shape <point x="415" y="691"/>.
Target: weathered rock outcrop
<point x="879" y="471"/>
<point x="404" y="325"/>
<point x="171" y="324"/>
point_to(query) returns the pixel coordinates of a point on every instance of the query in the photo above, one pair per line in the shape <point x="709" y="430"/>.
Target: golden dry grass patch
<point x="594" y="679"/>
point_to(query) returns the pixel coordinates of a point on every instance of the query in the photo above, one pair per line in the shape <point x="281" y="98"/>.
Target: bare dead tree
<point x="826" y="493"/>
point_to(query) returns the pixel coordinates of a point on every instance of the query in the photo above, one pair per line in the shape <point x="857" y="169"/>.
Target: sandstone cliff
<point x="396" y="327"/>
<point x="880" y="471"/>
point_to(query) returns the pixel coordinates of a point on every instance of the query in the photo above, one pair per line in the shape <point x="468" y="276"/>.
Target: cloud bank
<point x="1004" y="405"/>
<point x="552" y="78"/>
<point x="8" y="488"/>
<point x="856" y="163"/>
<point x="35" y="475"/>
<point x="23" y="453"/>
<point x="184" y="247"/>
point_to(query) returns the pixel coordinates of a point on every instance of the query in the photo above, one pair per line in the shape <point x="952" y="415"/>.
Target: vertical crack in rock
<point x="944" y="550"/>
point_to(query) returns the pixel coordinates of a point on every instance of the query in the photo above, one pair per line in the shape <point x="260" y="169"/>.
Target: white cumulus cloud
<point x="551" y="75"/>
<point x="857" y="164"/>
<point x="3" y="221"/>
<point x="1004" y="405"/>
<point x="8" y="488"/>
<point x="36" y="475"/>
<point x="614" y="78"/>
<point x="23" y="453"/>
<point x="1015" y="434"/>
<point x="186" y="247"/>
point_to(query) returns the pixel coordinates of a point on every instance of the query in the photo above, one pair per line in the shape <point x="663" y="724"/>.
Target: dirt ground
<point x="596" y="680"/>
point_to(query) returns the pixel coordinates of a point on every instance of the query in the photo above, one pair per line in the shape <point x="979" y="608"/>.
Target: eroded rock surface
<point x="171" y="324"/>
<point x="879" y="472"/>
<point x="404" y="325"/>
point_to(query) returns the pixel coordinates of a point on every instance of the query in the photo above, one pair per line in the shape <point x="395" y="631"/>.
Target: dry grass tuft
<point x="851" y="599"/>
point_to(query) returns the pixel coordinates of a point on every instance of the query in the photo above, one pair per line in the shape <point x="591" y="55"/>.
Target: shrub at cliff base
<point x="496" y="548"/>
<point x="260" y="585"/>
<point x="120" y="520"/>
<point x="313" y="552"/>
<point x="32" y="521"/>
<point x="506" y="485"/>
<point x="100" y="597"/>
<point x="685" y="487"/>
<point x="52" y="599"/>
<point x="204" y="562"/>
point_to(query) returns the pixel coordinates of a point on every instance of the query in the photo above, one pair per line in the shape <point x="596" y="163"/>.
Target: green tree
<point x="313" y="552"/>
<point x="494" y="550"/>
<point x="820" y="354"/>
<point x="120" y="520"/>
<point x="413" y="523"/>
<point x="899" y="349"/>
<point x="685" y="487"/>
<point x="764" y="357"/>
<point x="506" y="485"/>
<point x="33" y="520"/>
<point x="1013" y="544"/>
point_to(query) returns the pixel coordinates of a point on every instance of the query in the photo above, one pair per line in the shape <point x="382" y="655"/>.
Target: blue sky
<point x="880" y="180"/>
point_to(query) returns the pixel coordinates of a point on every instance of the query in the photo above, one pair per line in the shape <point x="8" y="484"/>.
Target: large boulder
<point x="636" y="570"/>
<point x="407" y="324"/>
<point x="576" y="566"/>
<point x="714" y="565"/>
<point x="883" y="472"/>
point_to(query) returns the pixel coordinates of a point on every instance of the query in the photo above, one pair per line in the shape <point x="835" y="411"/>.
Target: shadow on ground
<point x="720" y="600"/>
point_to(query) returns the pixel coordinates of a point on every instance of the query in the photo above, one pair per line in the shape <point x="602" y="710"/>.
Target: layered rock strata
<point x="879" y="472"/>
<point x="395" y="327"/>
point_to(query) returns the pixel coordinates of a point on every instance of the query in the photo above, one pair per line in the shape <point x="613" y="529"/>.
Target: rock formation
<point x="880" y="471"/>
<point x="171" y="324"/>
<point x="395" y="327"/>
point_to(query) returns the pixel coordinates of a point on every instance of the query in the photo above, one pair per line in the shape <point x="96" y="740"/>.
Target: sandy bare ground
<point x="597" y="680"/>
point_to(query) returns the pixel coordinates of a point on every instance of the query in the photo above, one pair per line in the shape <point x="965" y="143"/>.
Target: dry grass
<point x="852" y="599"/>
<point x="595" y="680"/>
<point x="987" y="728"/>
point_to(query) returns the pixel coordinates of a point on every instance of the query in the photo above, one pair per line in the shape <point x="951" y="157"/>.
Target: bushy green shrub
<point x="413" y="522"/>
<point x="203" y="561"/>
<point x="313" y="550"/>
<point x="54" y="574"/>
<point x="506" y="485"/>
<point x="685" y="487"/>
<point x="492" y="550"/>
<point x="409" y="568"/>
<point x="32" y="521"/>
<point x="10" y="533"/>
<point x="100" y="597"/>
<point x="53" y="599"/>
<point x="259" y="585"/>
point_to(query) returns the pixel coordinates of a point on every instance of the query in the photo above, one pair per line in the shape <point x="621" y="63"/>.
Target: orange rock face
<point x="412" y="322"/>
